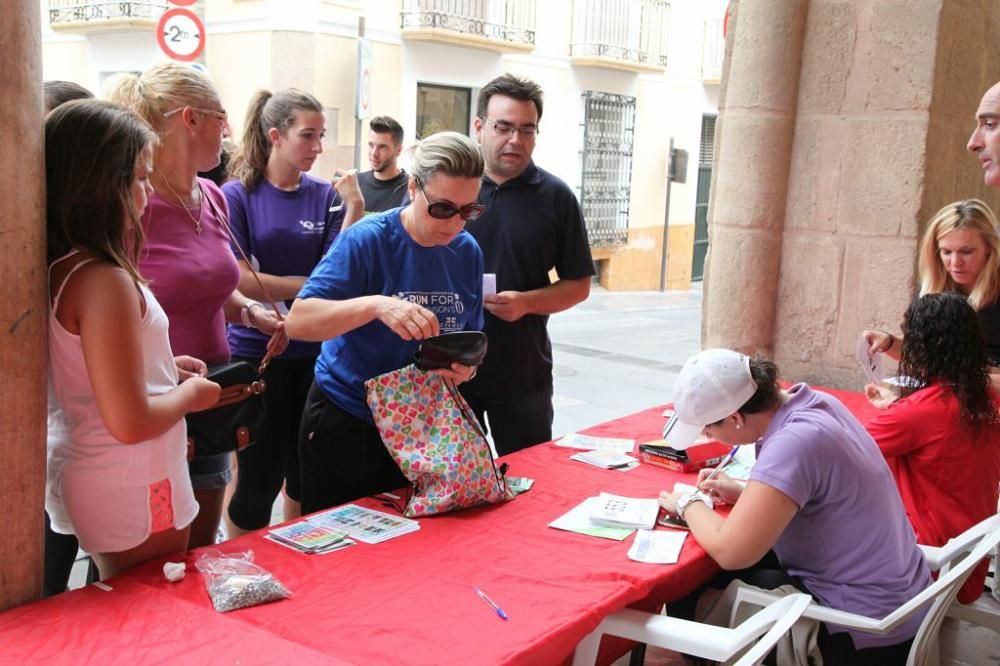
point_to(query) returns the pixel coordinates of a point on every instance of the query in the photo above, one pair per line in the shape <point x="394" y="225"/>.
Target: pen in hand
<point x="725" y="461"/>
<point x="492" y="604"/>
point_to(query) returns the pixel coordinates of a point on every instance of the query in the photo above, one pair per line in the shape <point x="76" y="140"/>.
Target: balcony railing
<point x="713" y="51"/>
<point x="621" y="32"/>
<point x="63" y="12"/>
<point x="500" y="22"/>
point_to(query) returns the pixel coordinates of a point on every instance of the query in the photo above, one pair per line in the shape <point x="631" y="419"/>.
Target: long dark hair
<point x="941" y="343"/>
<point x="91" y="149"/>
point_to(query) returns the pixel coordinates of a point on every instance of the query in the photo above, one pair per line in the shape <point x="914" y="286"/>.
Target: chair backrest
<point x="784" y="613"/>
<point x="941" y="557"/>
<point x="953" y="579"/>
<point x="944" y="591"/>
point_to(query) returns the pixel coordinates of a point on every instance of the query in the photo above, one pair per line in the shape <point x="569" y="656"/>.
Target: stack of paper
<point x="609" y="516"/>
<point x="308" y="538"/>
<point x="367" y="525"/>
<point x="630" y="512"/>
<point x="606" y="459"/>
<point x="590" y="443"/>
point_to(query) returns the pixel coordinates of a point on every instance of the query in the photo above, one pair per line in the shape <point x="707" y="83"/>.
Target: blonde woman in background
<point x="187" y="257"/>
<point x="960" y="252"/>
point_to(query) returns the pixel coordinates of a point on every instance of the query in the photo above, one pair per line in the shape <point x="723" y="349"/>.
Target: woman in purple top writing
<point x="284" y="220"/>
<point x="186" y="255"/>
<point x="820" y="496"/>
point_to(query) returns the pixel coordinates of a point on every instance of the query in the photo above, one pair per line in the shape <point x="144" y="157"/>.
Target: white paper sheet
<point x="489" y="284"/>
<point x="657" y="547"/>
<point x="872" y="365"/>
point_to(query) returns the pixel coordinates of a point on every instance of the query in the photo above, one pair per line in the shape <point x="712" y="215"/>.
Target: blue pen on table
<point x="492" y="604"/>
<point x="725" y="461"/>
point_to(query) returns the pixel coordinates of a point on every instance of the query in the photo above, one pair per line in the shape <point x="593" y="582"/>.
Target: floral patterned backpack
<point x="434" y="437"/>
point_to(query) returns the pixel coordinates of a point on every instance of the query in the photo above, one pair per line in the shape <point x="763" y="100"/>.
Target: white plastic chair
<point x="984" y="611"/>
<point x="702" y="640"/>
<point x="939" y="595"/>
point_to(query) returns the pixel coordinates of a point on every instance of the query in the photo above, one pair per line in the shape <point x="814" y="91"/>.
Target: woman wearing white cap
<point x="820" y="496"/>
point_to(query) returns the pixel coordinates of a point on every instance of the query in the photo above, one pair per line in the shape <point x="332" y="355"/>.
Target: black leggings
<point x="836" y="648"/>
<point x="273" y="459"/>
<point x="342" y="457"/>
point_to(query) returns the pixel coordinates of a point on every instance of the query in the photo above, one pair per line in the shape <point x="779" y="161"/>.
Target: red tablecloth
<point x="409" y="600"/>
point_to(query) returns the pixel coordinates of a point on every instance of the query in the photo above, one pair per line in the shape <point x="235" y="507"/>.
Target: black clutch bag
<point x="236" y="420"/>
<point x="465" y="347"/>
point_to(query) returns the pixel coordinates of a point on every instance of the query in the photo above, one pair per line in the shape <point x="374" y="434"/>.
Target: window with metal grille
<point x="608" y="135"/>
<point x="706" y="154"/>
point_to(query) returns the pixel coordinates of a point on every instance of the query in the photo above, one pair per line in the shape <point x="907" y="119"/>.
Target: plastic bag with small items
<point x="233" y="581"/>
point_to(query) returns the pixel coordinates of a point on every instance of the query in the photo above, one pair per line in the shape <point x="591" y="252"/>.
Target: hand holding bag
<point x="440" y="351"/>
<point x="432" y="434"/>
<point x="236" y="420"/>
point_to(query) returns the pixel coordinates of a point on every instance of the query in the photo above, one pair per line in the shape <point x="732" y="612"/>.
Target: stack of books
<point x="689" y="460"/>
<point x="366" y="525"/>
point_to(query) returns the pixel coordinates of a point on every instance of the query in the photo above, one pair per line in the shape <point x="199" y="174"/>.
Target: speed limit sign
<point x="180" y="34"/>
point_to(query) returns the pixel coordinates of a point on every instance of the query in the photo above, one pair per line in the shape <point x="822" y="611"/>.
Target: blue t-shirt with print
<point x="283" y="233"/>
<point x="377" y="256"/>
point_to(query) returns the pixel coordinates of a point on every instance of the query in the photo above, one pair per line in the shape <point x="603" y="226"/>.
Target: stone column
<point x="23" y="309"/>
<point x="756" y="126"/>
<point x="887" y="99"/>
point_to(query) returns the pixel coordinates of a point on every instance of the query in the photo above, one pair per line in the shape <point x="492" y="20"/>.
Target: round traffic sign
<point x="182" y="3"/>
<point x="180" y="34"/>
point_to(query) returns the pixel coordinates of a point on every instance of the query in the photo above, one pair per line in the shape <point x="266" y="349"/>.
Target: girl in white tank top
<point x="117" y="477"/>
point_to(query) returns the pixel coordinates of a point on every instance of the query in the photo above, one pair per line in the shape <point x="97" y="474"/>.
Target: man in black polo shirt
<point x="385" y="185"/>
<point x="532" y="224"/>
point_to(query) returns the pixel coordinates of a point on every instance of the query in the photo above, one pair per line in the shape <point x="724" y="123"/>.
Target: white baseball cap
<point x="712" y="385"/>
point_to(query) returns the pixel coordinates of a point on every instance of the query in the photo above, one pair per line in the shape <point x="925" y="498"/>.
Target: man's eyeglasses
<point x="503" y="128"/>
<point x="215" y="113"/>
<point x="441" y="210"/>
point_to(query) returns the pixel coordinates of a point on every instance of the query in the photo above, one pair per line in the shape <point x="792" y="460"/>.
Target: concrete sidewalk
<point x="617" y="353"/>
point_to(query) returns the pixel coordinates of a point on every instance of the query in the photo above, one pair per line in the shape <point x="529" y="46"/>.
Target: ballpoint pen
<point x="492" y="604"/>
<point x="725" y="461"/>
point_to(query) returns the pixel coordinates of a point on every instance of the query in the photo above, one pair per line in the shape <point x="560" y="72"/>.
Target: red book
<point x="698" y="457"/>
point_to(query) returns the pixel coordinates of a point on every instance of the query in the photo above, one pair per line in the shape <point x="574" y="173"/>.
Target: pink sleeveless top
<point x="98" y="486"/>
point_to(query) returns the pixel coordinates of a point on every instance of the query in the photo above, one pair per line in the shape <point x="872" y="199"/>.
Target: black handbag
<point x="237" y="419"/>
<point x="440" y="351"/>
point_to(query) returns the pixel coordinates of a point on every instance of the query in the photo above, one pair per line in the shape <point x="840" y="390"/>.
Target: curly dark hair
<point x="942" y="343"/>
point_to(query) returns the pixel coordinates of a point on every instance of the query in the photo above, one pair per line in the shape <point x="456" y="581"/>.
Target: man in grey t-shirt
<point x="385" y="185"/>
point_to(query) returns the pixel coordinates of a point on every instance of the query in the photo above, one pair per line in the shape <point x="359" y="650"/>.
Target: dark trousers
<point x="515" y="422"/>
<point x="836" y="648"/>
<point x="273" y="460"/>
<point x="60" y="554"/>
<point x="342" y="458"/>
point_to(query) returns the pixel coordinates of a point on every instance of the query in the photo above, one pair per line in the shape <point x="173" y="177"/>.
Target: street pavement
<point x="619" y="352"/>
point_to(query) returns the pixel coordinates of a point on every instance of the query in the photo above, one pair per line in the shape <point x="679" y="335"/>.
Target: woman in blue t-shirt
<point x="391" y="280"/>
<point x="283" y="220"/>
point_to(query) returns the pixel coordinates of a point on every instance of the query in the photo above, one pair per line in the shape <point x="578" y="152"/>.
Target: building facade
<point x="622" y="80"/>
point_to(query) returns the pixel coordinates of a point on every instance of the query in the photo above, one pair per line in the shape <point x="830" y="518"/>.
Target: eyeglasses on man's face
<point x="503" y="128"/>
<point x="442" y="210"/>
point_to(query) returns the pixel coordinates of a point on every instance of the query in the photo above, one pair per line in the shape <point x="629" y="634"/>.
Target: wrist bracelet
<point x="245" y="313"/>
<point x="892" y="341"/>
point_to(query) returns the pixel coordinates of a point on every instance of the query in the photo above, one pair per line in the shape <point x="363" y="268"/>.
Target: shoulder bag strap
<point x="232" y="239"/>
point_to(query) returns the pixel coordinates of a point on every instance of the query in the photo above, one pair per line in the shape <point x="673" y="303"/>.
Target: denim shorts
<point x="211" y="472"/>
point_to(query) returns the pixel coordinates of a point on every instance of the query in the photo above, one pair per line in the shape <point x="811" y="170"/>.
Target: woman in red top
<point x="941" y="437"/>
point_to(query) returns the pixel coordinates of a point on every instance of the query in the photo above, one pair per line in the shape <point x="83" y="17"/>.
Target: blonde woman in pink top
<point x="187" y="258"/>
<point x="117" y="479"/>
